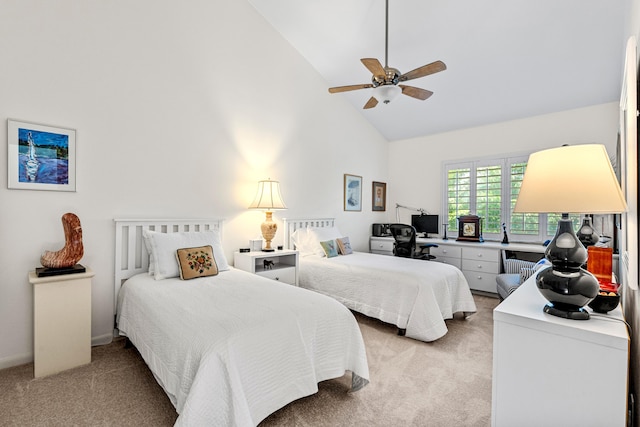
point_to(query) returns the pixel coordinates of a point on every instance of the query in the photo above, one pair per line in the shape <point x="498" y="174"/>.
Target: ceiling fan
<point x="385" y="79"/>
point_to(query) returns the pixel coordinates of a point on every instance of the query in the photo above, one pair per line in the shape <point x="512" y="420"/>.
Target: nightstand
<point x="284" y="268"/>
<point x="61" y="322"/>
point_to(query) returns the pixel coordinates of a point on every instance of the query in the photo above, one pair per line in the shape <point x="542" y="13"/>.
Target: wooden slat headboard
<point x="291" y="225"/>
<point x="131" y="253"/>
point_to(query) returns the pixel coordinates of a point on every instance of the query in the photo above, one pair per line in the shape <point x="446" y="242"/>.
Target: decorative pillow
<point x="344" y="246"/>
<point x="329" y="248"/>
<point x="196" y="262"/>
<point x="318" y="235"/>
<point x="165" y="245"/>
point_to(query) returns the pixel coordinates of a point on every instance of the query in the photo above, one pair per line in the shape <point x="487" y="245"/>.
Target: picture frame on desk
<point x="470" y="228"/>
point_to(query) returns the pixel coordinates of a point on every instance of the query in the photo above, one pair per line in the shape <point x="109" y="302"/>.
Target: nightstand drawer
<point x="286" y="275"/>
<point x="381" y="246"/>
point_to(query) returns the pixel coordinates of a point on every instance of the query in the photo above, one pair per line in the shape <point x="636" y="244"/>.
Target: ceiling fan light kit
<point x="386" y="93"/>
<point x="385" y="80"/>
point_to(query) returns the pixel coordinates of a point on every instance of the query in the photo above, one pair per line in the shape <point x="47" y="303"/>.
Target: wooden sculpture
<point x="72" y="251"/>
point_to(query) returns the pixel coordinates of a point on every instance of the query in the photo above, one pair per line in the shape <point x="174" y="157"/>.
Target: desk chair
<point x="405" y="243"/>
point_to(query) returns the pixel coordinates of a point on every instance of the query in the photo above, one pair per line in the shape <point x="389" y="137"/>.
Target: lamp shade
<point x="268" y="196"/>
<point x="386" y="93"/>
<point x="570" y="179"/>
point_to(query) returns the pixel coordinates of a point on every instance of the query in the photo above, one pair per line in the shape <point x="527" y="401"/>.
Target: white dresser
<point x="550" y="371"/>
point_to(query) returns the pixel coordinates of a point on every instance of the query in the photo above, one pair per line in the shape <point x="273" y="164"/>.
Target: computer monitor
<point x="428" y="224"/>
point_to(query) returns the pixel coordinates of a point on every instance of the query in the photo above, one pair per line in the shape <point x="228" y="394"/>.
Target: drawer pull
<point x="479" y="266"/>
<point x="479" y="277"/>
<point x="444" y="251"/>
<point x="479" y="255"/>
<point x="277" y="278"/>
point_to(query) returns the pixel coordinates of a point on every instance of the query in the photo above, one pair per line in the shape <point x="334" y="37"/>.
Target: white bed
<point x="230" y="349"/>
<point x="415" y="295"/>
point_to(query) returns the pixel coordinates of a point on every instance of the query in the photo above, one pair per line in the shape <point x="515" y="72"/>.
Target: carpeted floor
<point x="413" y="383"/>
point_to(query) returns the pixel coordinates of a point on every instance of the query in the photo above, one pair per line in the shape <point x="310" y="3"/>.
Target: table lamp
<point x="569" y="179"/>
<point x="268" y="198"/>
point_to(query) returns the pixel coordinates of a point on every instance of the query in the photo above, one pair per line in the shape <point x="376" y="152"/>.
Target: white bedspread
<point x="415" y="295"/>
<point x="233" y="348"/>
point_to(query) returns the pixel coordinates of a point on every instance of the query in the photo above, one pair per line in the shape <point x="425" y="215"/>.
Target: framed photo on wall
<point x="378" y="196"/>
<point x="352" y="192"/>
<point x="41" y="157"/>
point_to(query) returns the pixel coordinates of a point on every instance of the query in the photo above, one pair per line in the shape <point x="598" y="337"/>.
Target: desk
<point x="550" y="371"/>
<point x="480" y="262"/>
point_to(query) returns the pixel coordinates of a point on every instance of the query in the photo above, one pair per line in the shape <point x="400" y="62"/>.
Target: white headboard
<point x="131" y="253"/>
<point x="291" y="225"/>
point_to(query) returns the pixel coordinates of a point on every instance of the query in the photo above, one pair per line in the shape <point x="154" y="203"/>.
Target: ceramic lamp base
<point x="567" y="313"/>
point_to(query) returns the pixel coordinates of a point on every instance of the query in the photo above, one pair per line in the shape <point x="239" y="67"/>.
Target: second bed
<point x="415" y="295"/>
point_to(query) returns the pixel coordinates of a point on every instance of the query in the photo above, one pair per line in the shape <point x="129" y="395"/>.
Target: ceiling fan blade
<point x="372" y="102"/>
<point x="348" y="88"/>
<point x="374" y="66"/>
<point x="425" y="70"/>
<point x="416" y="92"/>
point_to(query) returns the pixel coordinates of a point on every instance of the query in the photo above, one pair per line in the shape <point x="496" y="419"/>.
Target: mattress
<point x="415" y="295"/>
<point x="233" y="348"/>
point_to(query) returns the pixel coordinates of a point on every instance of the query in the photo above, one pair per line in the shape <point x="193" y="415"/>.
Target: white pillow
<point x="164" y="247"/>
<point x="147" y="244"/>
<point x="303" y="243"/>
<point x="317" y="235"/>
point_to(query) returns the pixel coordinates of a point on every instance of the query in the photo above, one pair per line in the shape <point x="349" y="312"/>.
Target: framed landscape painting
<point x="352" y="192"/>
<point x="41" y="157"/>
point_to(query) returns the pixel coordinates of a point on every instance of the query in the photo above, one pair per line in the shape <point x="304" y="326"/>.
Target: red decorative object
<point x="72" y="251"/>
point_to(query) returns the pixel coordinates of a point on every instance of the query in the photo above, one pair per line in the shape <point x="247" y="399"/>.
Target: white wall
<point x="416" y="164"/>
<point x="180" y="108"/>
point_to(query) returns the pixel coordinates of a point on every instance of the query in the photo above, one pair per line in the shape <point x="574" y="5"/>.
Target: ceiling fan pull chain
<point x="386" y="35"/>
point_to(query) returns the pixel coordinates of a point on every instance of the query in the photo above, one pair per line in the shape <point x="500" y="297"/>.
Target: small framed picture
<point x="378" y="196"/>
<point x="352" y="192"/>
<point x="41" y="157"/>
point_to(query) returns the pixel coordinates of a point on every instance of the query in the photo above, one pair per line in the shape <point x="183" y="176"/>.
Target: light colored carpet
<point x="443" y="383"/>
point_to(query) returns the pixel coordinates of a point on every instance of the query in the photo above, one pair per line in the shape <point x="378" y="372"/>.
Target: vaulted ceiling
<point x="506" y="59"/>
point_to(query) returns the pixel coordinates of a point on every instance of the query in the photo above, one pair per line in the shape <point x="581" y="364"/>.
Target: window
<point x="489" y="188"/>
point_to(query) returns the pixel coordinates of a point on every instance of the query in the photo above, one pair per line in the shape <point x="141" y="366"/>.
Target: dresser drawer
<point x="286" y="275"/>
<point x="481" y="266"/>
<point x="484" y="254"/>
<point x="446" y="251"/>
<point x="481" y="281"/>
<point x="384" y="247"/>
<point x="456" y="262"/>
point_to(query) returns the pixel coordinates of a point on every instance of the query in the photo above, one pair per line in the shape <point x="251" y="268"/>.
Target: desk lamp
<point x="268" y="198"/>
<point x="569" y="179"/>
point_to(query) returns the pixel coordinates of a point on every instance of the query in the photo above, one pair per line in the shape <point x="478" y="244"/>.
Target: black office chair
<point x="405" y="243"/>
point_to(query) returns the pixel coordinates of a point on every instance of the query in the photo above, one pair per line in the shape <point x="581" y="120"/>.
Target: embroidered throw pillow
<point x="196" y="262"/>
<point x="344" y="246"/>
<point x="329" y="248"/>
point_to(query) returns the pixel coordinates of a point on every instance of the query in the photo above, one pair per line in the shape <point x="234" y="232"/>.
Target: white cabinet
<point x="277" y="265"/>
<point x="448" y="254"/>
<point x="480" y="266"/>
<point x="550" y="371"/>
<point x="61" y="322"/>
<point x="381" y="245"/>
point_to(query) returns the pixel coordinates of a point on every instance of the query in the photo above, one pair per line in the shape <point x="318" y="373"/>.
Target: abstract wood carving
<point x="72" y="251"/>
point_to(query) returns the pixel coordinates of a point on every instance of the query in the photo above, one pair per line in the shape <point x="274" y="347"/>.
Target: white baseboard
<point x="16" y="360"/>
<point x="21" y="359"/>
